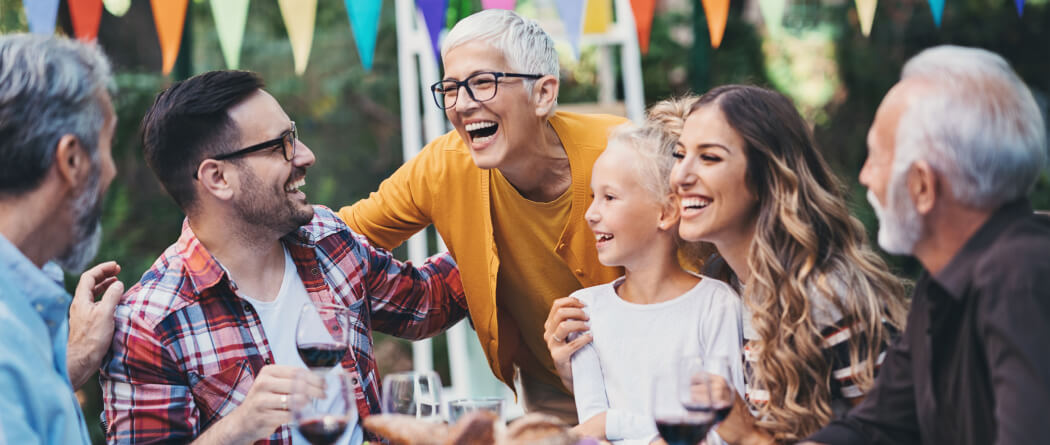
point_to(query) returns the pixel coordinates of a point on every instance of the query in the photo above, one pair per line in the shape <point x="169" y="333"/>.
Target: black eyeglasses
<point x="480" y="87"/>
<point x="287" y="140"/>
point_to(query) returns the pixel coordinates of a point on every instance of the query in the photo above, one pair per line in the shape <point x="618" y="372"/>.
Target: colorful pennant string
<point x="717" y="12"/>
<point x="571" y="12"/>
<point x="434" y="12"/>
<point x="231" y="16"/>
<point x="364" y="23"/>
<point x="299" y="18"/>
<point x="41" y="15"/>
<point x="937" y="8"/>
<point x="498" y="4"/>
<point x="86" y="15"/>
<point x="866" y="15"/>
<point x="169" y="17"/>
<point x="773" y="15"/>
<point x="598" y="16"/>
<point x="643" y="21"/>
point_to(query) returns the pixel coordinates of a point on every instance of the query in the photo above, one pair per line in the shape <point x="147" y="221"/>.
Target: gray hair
<point x="977" y="123"/>
<point x="526" y="46"/>
<point x="49" y="87"/>
<point x="650" y="147"/>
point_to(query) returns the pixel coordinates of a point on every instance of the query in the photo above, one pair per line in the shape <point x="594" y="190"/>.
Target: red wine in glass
<point x="323" y="431"/>
<point x="321" y="355"/>
<point x="684" y="430"/>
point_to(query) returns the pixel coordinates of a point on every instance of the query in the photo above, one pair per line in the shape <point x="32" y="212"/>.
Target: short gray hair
<point x="526" y="46"/>
<point x="977" y="123"/>
<point x="49" y="87"/>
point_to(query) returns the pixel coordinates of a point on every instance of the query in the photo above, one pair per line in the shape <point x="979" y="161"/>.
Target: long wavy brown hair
<point x="806" y="246"/>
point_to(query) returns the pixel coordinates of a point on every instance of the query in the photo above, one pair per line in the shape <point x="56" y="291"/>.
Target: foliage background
<point x="350" y="117"/>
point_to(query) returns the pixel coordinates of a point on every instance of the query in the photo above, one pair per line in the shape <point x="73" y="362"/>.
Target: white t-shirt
<point x="279" y="319"/>
<point x="633" y="343"/>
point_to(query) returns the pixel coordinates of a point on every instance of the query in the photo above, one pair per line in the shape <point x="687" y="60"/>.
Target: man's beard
<point x="900" y="224"/>
<point x="260" y="208"/>
<point x="87" y="228"/>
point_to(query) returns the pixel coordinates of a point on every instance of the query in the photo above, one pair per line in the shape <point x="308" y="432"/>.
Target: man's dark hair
<point x="188" y="123"/>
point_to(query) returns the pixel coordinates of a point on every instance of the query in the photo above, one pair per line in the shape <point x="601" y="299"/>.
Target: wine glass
<point x="706" y="385"/>
<point x="322" y="335"/>
<point x="676" y="424"/>
<point x="460" y="407"/>
<point x="415" y="394"/>
<point x="322" y="405"/>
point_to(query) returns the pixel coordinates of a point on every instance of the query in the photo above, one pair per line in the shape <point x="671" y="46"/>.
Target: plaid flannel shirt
<point x="186" y="347"/>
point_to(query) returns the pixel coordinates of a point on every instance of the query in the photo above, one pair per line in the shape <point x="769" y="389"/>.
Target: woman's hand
<point x="566" y="317"/>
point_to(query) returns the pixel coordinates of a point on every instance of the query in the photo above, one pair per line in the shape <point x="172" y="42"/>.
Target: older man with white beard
<point x="56" y="127"/>
<point x="955" y="147"/>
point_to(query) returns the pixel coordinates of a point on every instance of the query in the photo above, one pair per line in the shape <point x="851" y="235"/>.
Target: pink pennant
<point x="498" y="4"/>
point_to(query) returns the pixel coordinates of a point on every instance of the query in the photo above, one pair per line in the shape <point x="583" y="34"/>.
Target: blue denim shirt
<point x="37" y="403"/>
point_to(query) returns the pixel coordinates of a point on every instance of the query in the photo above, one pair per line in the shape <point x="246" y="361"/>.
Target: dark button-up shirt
<point x="973" y="366"/>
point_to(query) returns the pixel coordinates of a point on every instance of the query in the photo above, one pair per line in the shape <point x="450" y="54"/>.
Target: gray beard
<point x="87" y="228"/>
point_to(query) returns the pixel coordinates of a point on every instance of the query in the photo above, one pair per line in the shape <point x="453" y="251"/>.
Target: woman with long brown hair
<point x="822" y="304"/>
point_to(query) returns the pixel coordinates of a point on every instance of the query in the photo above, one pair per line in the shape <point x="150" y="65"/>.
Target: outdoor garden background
<point x="350" y="117"/>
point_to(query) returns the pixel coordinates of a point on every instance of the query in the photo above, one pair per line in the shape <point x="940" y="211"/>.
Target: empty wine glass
<point x="322" y="335"/>
<point x="415" y="394"/>
<point x="458" y="408"/>
<point x="323" y="405"/>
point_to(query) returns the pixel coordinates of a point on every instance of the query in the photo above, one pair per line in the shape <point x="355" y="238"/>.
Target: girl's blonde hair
<point x="806" y="247"/>
<point x="651" y="147"/>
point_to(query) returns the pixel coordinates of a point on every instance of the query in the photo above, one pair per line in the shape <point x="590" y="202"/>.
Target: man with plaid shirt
<point x="204" y="349"/>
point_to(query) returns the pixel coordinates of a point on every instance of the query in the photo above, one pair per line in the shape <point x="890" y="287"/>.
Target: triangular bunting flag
<point x="937" y="8"/>
<point x="169" y="17"/>
<point x="299" y="17"/>
<point x="230" y="17"/>
<point x="117" y="7"/>
<point x="41" y="15"/>
<point x="717" y="12"/>
<point x="1020" y="7"/>
<point x="498" y="4"/>
<point x="643" y="21"/>
<point x="364" y="23"/>
<point x="434" y="16"/>
<point x="866" y="15"/>
<point x="86" y="15"/>
<point x="773" y="15"/>
<point x="571" y="12"/>
<point x="597" y="16"/>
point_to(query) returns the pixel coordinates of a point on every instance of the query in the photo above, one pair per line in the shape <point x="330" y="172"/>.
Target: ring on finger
<point x="284" y="402"/>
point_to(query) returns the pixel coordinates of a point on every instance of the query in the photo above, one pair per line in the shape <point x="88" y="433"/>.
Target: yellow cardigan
<point x="443" y="186"/>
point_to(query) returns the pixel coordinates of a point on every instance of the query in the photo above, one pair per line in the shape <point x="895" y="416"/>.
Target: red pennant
<point x="643" y="21"/>
<point x="86" y="15"/>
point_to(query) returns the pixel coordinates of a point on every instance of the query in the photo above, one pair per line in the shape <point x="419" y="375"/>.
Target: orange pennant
<point x="717" y="12"/>
<point x="169" y="17"/>
<point x="86" y="15"/>
<point x="643" y="21"/>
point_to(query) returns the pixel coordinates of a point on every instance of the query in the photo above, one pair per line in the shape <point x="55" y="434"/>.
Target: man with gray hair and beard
<point x="955" y="148"/>
<point x="56" y="128"/>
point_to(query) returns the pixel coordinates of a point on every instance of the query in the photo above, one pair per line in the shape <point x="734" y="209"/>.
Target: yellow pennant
<point x="597" y="16"/>
<point x="299" y="17"/>
<point x="866" y="15"/>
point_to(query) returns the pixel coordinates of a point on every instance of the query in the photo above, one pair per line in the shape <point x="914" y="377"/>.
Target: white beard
<point x="900" y="224"/>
